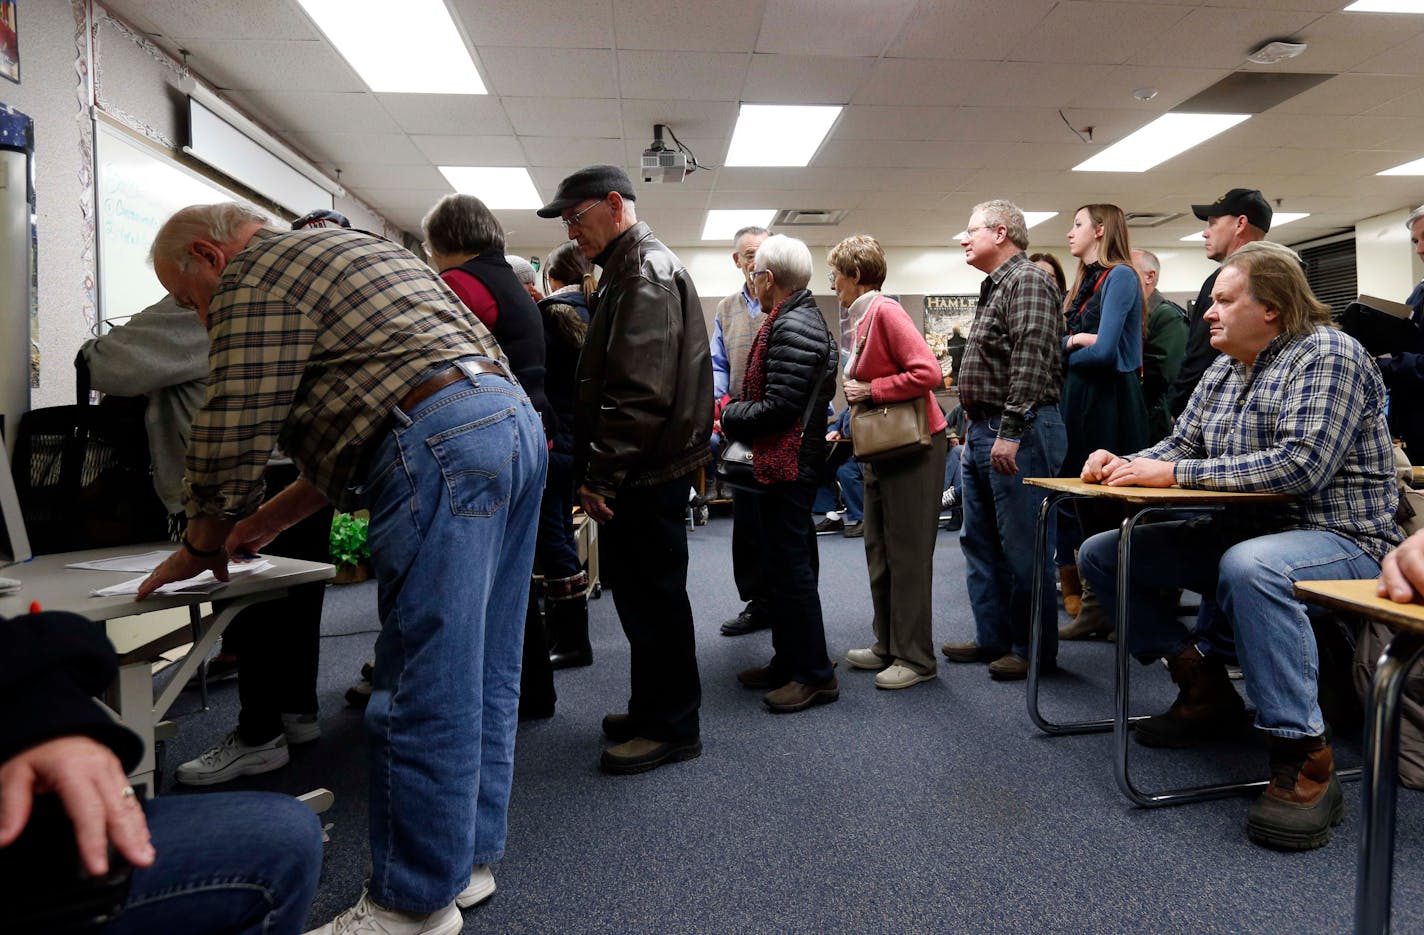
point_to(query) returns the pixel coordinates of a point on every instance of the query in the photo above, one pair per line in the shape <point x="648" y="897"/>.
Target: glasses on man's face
<point x="576" y="219"/>
<point x="971" y="231"/>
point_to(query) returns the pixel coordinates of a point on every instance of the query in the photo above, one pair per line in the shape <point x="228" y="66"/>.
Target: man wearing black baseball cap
<point x="1232" y="221"/>
<point x="642" y="422"/>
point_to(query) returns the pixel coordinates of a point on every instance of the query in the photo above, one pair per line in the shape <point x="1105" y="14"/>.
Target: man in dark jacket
<point x="641" y="424"/>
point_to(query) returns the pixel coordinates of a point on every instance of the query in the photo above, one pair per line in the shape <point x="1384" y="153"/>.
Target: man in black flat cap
<point x="1232" y="221"/>
<point x="642" y="420"/>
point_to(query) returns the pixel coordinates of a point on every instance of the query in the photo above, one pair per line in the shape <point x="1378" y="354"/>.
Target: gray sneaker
<point x="233" y="758"/>
<point x="301" y="728"/>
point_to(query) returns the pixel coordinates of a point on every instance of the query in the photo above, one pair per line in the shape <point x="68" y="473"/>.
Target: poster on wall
<point x="9" y="41"/>
<point x="947" y="321"/>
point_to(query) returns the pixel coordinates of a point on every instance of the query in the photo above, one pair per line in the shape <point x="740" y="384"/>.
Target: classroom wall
<point x="74" y="59"/>
<point x="1385" y="264"/>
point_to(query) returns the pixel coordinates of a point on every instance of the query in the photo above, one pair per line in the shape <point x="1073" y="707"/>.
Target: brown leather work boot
<point x="1303" y="800"/>
<point x="1207" y="705"/>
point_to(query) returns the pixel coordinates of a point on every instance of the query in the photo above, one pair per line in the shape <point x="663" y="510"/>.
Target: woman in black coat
<point x="790" y="378"/>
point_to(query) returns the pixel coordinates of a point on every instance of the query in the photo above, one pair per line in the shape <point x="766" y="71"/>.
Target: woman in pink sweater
<point x="893" y="363"/>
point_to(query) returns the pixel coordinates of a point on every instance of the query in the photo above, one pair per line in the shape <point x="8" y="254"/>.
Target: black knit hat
<point x="592" y="182"/>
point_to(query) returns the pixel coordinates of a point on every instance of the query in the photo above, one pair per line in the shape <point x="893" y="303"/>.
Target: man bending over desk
<point x="1294" y="407"/>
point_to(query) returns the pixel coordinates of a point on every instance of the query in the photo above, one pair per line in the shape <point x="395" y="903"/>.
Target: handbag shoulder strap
<point x="870" y="314"/>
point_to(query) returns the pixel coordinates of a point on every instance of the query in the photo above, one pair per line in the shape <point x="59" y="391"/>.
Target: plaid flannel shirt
<point x="316" y="336"/>
<point x="1013" y="362"/>
<point x="1307" y="418"/>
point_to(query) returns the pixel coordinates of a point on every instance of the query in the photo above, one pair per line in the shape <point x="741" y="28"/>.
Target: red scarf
<point x="775" y="458"/>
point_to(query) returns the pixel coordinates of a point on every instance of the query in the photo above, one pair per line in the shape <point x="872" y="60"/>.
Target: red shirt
<point x="473" y="293"/>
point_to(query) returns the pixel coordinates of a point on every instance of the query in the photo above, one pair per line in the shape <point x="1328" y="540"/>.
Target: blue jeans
<point x="454" y="492"/>
<point x="232" y="862"/>
<point x="1247" y="605"/>
<point x="952" y="461"/>
<point x="1000" y="517"/>
<point x="852" y="490"/>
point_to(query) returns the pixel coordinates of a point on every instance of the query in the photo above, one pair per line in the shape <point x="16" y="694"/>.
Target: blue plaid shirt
<point x="1307" y="419"/>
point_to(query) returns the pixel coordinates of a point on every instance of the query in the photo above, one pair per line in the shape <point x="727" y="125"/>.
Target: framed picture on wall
<point x="947" y="321"/>
<point x="9" y="41"/>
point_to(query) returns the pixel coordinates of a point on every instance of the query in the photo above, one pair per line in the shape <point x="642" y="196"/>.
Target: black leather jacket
<point x="799" y="350"/>
<point x="643" y="414"/>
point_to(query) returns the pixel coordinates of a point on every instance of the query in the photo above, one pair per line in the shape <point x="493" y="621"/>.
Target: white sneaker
<point x="301" y="728"/>
<point x="947" y="500"/>
<point x="901" y="676"/>
<point x="367" y="918"/>
<point x="233" y="758"/>
<point x="481" y="887"/>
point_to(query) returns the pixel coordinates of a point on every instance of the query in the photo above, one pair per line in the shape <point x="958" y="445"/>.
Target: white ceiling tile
<point x="693" y="25"/>
<point x="832" y="27"/>
<point x="1114" y="86"/>
<point x="1221" y="38"/>
<point x="692" y="76"/>
<point x="1096" y="33"/>
<point x="563" y="151"/>
<point x="272" y="65"/>
<point x="804" y="79"/>
<point x="871" y="154"/>
<point x="934" y="83"/>
<point x="688" y="119"/>
<point x="363" y="176"/>
<point x="446" y="113"/>
<point x="969" y="31"/>
<point x="523" y="72"/>
<point x="184" y="19"/>
<point x="316" y="110"/>
<point x="343" y="149"/>
<point x="549" y="24"/>
<point x="1342" y="41"/>
<point x="535" y="116"/>
<point x="1027" y="85"/>
<point x="869" y="122"/>
<point x="1344" y="94"/>
<point x="471" y="150"/>
<point x="1407" y="58"/>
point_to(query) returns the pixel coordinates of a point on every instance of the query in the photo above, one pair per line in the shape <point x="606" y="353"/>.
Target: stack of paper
<point x="206" y="583"/>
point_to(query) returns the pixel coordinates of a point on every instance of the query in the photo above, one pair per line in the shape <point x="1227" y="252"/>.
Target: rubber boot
<point x="1207" y="705"/>
<point x="1072" y="588"/>
<point x="567" y="609"/>
<point x="1303" y="800"/>
<point x="536" y="676"/>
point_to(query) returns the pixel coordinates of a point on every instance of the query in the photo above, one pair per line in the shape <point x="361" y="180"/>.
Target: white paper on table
<point x="206" y="583"/>
<point x="145" y="563"/>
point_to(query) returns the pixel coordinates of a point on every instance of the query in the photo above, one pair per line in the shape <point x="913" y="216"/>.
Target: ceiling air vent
<point x="808" y="217"/>
<point x="1143" y="219"/>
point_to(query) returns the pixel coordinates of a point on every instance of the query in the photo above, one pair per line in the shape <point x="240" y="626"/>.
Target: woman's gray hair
<point x="1414" y="216"/>
<point x="462" y="224"/>
<point x="218" y="223"/>
<point x="788" y="259"/>
<point x="1005" y="214"/>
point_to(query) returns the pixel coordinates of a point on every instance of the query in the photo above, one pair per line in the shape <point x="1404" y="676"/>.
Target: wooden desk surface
<point x="1359" y="597"/>
<point x="1152" y="495"/>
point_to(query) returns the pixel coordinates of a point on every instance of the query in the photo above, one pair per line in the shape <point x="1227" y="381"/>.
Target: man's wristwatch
<point x="201" y="553"/>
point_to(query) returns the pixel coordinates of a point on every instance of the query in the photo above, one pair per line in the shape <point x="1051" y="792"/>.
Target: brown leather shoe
<point x="1207" y="705"/>
<point x="1303" y="800"/>
<point x="761" y="678"/>
<point x="640" y="754"/>
<point x="968" y="652"/>
<point x="1072" y="588"/>
<point x="619" y="728"/>
<point x="794" y="696"/>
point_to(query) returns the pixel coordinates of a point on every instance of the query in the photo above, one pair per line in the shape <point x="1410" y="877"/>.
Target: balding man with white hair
<point x="388" y="394"/>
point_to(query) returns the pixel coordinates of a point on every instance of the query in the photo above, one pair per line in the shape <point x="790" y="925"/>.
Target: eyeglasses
<point x="831" y="277"/>
<point x="759" y="272"/>
<point x="577" y="218"/>
<point x="971" y="231"/>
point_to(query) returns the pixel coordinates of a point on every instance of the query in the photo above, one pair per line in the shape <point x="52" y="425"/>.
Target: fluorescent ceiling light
<point x="1031" y="219"/>
<point x="1386" y="6"/>
<point x="723" y="223"/>
<point x="1167" y="136"/>
<point x="497" y="187"/>
<point x="415" y="49"/>
<point x="779" y="135"/>
<point x="1279" y="219"/>
<point x="1409" y="168"/>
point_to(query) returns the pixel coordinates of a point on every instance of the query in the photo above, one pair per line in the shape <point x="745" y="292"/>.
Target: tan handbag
<point x="886" y="431"/>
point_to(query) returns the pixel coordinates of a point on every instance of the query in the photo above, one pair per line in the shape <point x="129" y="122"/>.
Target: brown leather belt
<point x="437" y="382"/>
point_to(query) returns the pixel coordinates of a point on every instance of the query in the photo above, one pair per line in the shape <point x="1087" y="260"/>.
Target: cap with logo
<point x="1237" y="202"/>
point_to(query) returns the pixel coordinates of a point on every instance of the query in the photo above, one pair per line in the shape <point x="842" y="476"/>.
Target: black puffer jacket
<point x="799" y="349"/>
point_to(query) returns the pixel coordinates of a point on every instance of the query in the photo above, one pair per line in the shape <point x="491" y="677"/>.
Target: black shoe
<point x="829" y="525"/>
<point x="640" y="754"/>
<point x="748" y="621"/>
<point x="567" y="622"/>
<point x="854" y="531"/>
<point x="955" y="521"/>
<point x="359" y="695"/>
<point x="619" y="728"/>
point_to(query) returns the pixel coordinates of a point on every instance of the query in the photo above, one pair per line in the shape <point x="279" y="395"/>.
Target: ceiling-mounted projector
<point x="661" y="164"/>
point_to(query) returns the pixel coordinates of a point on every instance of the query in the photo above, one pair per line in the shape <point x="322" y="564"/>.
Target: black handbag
<point x="735" y="466"/>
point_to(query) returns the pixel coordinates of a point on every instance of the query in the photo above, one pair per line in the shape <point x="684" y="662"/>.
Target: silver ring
<point x="128" y="792"/>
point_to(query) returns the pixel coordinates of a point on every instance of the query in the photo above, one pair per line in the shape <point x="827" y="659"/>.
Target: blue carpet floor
<point x="938" y="808"/>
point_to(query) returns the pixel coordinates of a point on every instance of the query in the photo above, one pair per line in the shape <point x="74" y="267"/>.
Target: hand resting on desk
<point x="1402" y="571"/>
<point x="1104" y="467"/>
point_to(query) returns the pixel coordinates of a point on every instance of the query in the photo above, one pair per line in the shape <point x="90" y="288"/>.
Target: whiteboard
<point x="138" y="186"/>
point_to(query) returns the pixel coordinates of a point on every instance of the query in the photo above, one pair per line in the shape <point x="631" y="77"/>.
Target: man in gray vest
<point x="736" y="324"/>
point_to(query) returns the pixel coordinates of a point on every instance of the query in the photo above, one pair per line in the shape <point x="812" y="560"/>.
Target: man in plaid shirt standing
<point x="388" y="394"/>
<point x="1295" y="407"/>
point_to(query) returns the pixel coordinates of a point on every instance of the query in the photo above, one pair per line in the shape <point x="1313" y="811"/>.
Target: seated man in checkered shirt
<point x="1292" y="406"/>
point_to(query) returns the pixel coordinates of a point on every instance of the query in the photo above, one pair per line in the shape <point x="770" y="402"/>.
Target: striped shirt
<point x="1013" y="362"/>
<point x="316" y="336"/>
<point x="1307" y="418"/>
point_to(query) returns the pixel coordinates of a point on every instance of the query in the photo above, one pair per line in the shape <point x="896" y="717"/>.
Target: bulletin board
<point x="138" y="186"/>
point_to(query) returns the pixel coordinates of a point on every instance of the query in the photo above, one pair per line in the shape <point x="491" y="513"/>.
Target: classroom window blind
<point x="1330" y="270"/>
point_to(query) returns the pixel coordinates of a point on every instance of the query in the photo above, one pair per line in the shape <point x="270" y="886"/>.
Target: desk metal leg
<point x="1375" y="873"/>
<point x="195" y="621"/>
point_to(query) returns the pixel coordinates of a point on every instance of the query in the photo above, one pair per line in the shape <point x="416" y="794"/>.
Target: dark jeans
<point x="555" y="554"/>
<point x="747" y="557"/>
<point x="788" y="538"/>
<point x="277" y="642"/>
<point x="643" y="550"/>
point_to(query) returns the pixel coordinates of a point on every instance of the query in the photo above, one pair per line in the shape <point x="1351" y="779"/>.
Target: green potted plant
<point x="349" y="550"/>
